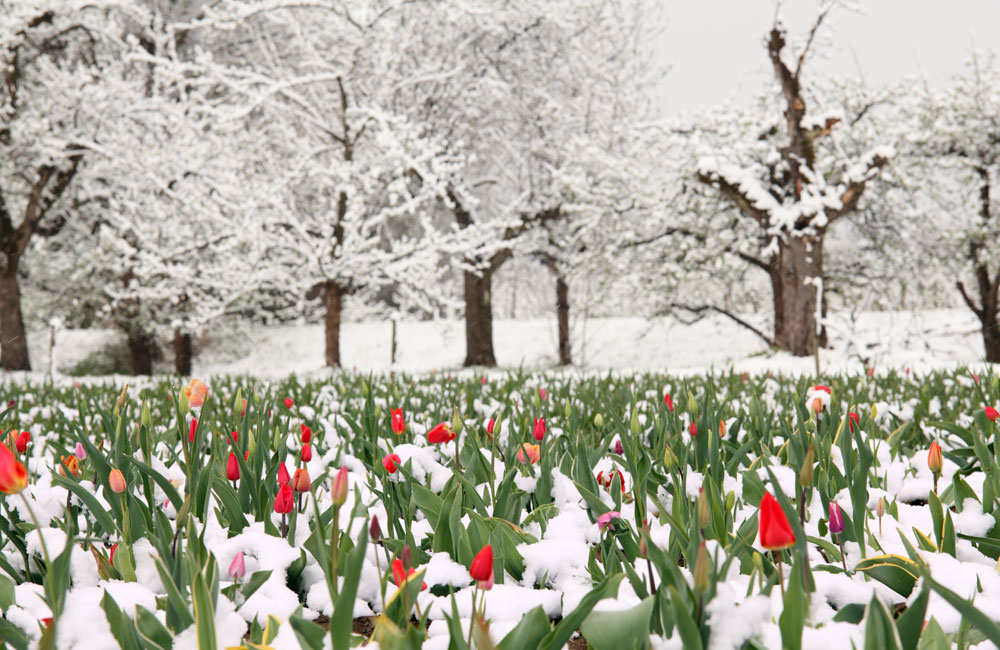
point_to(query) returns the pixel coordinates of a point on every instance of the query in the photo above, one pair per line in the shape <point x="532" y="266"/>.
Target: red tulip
<point x="619" y="449"/>
<point x="398" y="424"/>
<point x="991" y="413"/>
<point x="236" y="437"/>
<point x="440" y="434"/>
<point x="539" y="430"/>
<point x="283" y="477"/>
<point x="606" y="482"/>
<point x="853" y="421"/>
<point x="301" y="481"/>
<point x="307" y="434"/>
<point x="775" y="531"/>
<point x="233" y="468"/>
<point x="22" y="442"/>
<point x="399" y="576"/>
<point x="481" y="569"/>
<point x="490" y="426"/>
<point x="934" y="458"/>
<point x="289" y="402"/>
<point x="825" y="389"/>
<point x="307" y="453"/>
<point x="390" y="461"/>
<point x="693" y="429"/>
<point x="13" y="475"/>
<point x="669" y="402"/>
<point x="192" y="430"/>
<point x="112" y="554"/>
<point x="284" y="501"/>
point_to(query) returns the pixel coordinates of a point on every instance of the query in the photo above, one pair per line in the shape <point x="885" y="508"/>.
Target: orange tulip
<point x="117" y="481"/>
<point x="72" y="464"/>
<point x="196" y="392"/>
<point x="934" y="458"/>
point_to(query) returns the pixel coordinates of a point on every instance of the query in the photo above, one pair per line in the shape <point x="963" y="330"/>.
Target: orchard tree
<point x="352" y="180"/>
<point x="950" y="176"/>
<point x="791" y="182"/>
<point x="525" y="82"/>
<point x="53" y="54"/>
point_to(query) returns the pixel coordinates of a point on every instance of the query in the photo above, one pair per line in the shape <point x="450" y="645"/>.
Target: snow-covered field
<point x="921" y="340"/>
<point x="708" y="428"/>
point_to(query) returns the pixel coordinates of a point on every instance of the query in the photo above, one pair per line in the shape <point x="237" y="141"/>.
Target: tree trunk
<point x="182" y="353"/>
<point x="479" y="320"/>
<point x="334" y="295"/>
<point x="13" y="339"/>
<point x="140" y="346"/>
<point x="991" y="337"/>
<point x="798" y="259"/>
<point x="562" y="310"/>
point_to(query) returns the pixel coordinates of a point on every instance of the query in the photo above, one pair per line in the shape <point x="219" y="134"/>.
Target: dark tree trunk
<point x="13" y="339"/>
<point x="562" y="311"/>
<point x="334" y="296"/>
<point x="479" y="320"/>
<point x="140" y="345"/>
<point x="991" y="335"/>
<point x="182" y="353"/>
<point x="798" y="258"/>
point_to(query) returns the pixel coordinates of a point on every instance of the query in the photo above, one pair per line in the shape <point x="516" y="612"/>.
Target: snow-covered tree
<point x="351" y="178"/>
<point x="53" y="55"/>
<point x="950" y="171"/>
<point x="527" y="89"/>
<point x="789" y="181"/>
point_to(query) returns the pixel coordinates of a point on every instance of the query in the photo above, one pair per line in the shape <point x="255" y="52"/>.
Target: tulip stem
<point x="802" y="507"/>
<point x="333" y="550"/>
<point x="936" y="477"/>
<point x="781" y="575"/>
<point x="284" y="527"/>
<point x="475" y="592"/>
<point x="41" y="537"/>
<point x="843" y="560"/>
<point x="652" y="583"/>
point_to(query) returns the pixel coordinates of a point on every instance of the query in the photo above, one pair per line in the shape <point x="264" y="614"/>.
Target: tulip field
<point x="510" y="511"/>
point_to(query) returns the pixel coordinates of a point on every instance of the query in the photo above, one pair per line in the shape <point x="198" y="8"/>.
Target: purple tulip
<point x="836" y="519"/>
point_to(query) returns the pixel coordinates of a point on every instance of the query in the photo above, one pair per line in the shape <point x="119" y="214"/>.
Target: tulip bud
<point x="669" y="459"/>
<point x="634" y="424"/>
<point x="489" y="428"/>
<point x="806" y="473"/>
<point x="339" y="490"/>
<point x="116" y="481"/>
<point x="692" y="404"/>
<point x="598" y="421"/>
<point x="238" y="567"/>
<point x="238" y="403"/>
<point x="722" y="428"/>
<point x="307" y="453"/>
<point x="701" y="570"/>
<point x="374" y="530"/>
<point x="619" y="449"/>
<point x="836" y="524"/>
<point x="146" y="418"/>
<point x="121" y="399"/>
<point x="233" y="468"/>
<point x="704" y="514"/>
<point x="182" y="403"/>
<point x="934" y="458"/>
<point x="456" y="420"/>
<point x="22" y="442"/>
<point x="406" y="559"/>
<point x="817" y="405"/>
<point x="880" y="508"/>
<point x="301" y="481"/>
<point x="80" y="452"/>
<point x="874" y="411"/>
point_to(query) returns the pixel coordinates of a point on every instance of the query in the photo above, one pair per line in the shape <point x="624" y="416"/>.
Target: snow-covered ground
<point x="920" y="340"/>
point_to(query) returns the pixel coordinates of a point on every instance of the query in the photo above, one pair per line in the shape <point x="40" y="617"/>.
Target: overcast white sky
<point x="716" y="47"/>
